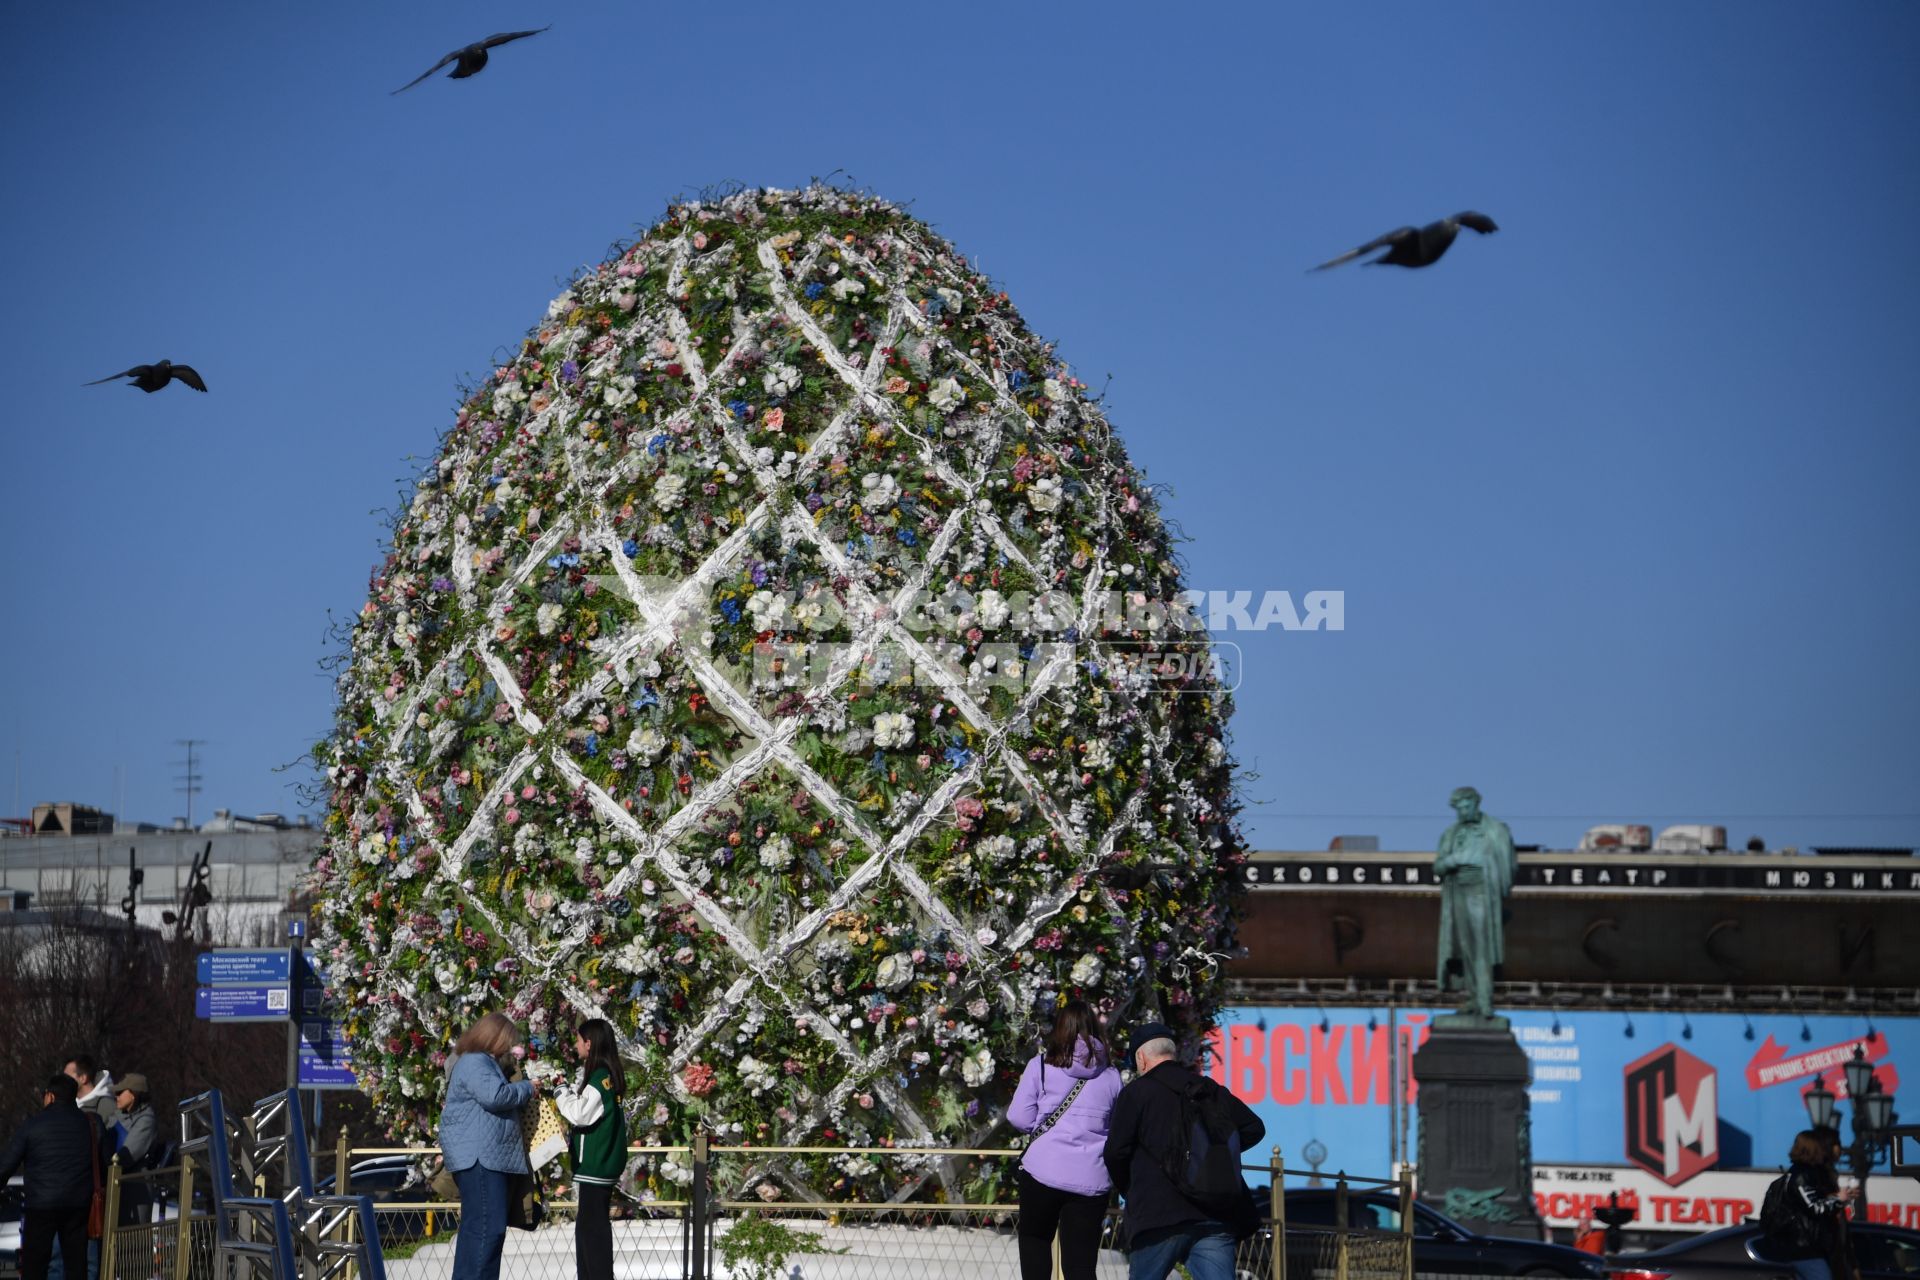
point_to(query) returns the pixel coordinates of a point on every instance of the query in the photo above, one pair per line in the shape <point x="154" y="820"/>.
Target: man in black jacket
<point x="58" y="1146"/>
<point x="1144" y="1139"/>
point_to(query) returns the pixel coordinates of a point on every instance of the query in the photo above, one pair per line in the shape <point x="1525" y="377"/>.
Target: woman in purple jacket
<point x="1065" y="1096"/>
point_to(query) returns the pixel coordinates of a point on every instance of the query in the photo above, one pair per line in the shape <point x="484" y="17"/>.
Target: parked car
<point x="389" y="1180"/>
<point x="1440" y="1244"/>
<point x="1884" y="1253"/>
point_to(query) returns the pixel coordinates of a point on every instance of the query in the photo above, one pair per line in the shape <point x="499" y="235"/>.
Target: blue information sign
<point x="245" y="968"/>
<point x="243" y="1004"/>
<point x="323" y="1056"/>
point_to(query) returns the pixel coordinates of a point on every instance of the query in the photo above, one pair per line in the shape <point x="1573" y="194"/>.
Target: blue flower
<point x="566" y="560"/>
<point x="740" y="409"/>
<point x="814" y="290"/>
<point x="647" y="698"/>
<point x="443" y="584"/>
<point x="658" y="444"/>
<point x="1017" y="379"/>
<point x="631" y="547"/>
<point x="593" y="744"/>
<point x="879" y="762"/>
<point x="935" y="304"/>
<point x="494" y="480"/>
<point x="909" y="537"/>
<point x="959" y="757"/>
<point x="637" y="992"/>
<point x="1026" y="652"/>
<point x="570" y="371"/>
<point x="731" y="608"/>
<point x="758" y="573"/>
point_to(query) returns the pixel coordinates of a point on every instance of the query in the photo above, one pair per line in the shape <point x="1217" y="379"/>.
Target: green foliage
<point x="757" y="1248"/>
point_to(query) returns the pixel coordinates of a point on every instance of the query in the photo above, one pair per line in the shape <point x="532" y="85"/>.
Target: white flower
<point x="947" y="395"/>
<point x="547" y="618"/>
<point x="952" y="298"/>
<point x="896" y="971"/>
<point x="977" y="1069"/>
<point x="1054" y="390"/>
<point x="997" y="848"/>
<point x="781" y="379"/>
<point x="1097" y="755"/>
<point x="846" y="287"/>
<point x="1087" y="970"/>
<point x="634" y="957"/>
<point x="768" y="610"/>
<point x="892" y="729"/>
<point x="878" y="491"/>
<point x="507" y="397"/>
<point x="992" y="609"/>
<point x="669" y="490"/>
<point x="1045" y="494"/>
<point x="985" y="937"/>
<point x="777" y="854"/>
<point x="619" y="392"/>
<point x="644" y="743"/>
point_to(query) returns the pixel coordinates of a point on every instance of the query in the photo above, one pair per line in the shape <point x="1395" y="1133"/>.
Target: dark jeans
<point x="1077" y="1218"/>
<point x="483" y="1223"/>
<point x="593" y="1232"/>
<point x="40" y="1228"/>
<point x="57" y="1269"/>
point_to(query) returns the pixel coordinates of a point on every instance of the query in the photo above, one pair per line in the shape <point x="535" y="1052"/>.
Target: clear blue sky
<point x="1621" y="498"/>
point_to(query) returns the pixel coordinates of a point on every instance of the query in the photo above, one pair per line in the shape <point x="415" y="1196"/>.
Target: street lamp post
<point x="1873" y="1117"/>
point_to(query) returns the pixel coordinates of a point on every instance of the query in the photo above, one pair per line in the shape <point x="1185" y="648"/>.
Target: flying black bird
<point x="471" y="58"/>
<point x="151" y="377"/>
<point x="1417" y="246"/>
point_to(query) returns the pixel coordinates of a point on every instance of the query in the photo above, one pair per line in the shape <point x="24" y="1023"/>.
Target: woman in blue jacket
<point x="480" y="1140"/>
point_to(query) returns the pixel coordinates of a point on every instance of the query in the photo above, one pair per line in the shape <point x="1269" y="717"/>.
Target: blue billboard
<point x="1672" y="1094"/>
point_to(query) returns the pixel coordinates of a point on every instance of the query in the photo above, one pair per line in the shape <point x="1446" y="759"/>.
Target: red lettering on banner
<point x="1215" y="1060"/>
<point x="1289" y="1084"/>
<point x="1323" y="1060"/>
<point x="1371" y="1082"/>
<point x="1246" y="1065"/>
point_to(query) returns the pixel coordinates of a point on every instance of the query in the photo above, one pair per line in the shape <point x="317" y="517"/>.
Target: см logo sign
<point x="1673" y="1114"/>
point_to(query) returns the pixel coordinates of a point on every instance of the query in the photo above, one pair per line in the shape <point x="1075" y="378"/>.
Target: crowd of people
<point x="1088" y="1135"/>
<point x="86" y="1121"/>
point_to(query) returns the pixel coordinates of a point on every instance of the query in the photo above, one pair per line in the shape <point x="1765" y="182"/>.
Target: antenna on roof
<point x="190" y="780"/>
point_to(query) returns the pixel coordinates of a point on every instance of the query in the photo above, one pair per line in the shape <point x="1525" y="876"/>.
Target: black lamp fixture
<point x="1819" y="1100"/>
<point x="1860" y="1077"/>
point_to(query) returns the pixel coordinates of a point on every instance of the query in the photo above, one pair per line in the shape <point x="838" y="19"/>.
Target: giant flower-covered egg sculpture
<point x="778" y="663"/>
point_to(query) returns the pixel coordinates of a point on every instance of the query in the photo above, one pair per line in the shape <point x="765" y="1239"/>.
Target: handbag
<point x="543" y="1132"/>
<point x="97" y="1207"/>
<point x="526" y="1207"/>
<point x="1053" y="1118"/>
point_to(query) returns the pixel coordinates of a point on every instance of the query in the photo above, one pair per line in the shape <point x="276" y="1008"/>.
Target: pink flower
<point x="513" y="816"/>
<point x="699" y="239"/>
<point x="866" y="1101"/>
<point x="698" y="1077"/>
<point x="774" y="419"/>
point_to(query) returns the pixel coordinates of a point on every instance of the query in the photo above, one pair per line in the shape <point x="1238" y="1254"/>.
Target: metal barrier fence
<point x="702" y="1237"/>
<point x="167" y="1237"/>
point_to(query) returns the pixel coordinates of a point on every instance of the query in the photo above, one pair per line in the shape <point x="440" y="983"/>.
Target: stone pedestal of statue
<point x="1476" y="1147"/>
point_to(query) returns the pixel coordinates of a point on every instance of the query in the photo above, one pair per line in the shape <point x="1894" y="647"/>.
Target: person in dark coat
<point x="57" y="1147"/>
<point x="1144" y="1136"/>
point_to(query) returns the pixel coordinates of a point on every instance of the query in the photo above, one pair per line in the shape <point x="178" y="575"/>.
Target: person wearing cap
<point x="137" y="1148"/>
<point x="1144" y="1137"/>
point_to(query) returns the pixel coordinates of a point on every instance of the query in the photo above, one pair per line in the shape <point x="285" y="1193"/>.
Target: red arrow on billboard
<point x="1772" y="1065"/>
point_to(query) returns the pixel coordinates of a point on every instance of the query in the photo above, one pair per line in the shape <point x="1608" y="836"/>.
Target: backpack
<point x="1204" y="1166"/>
<point x="1785" y="1220"/>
